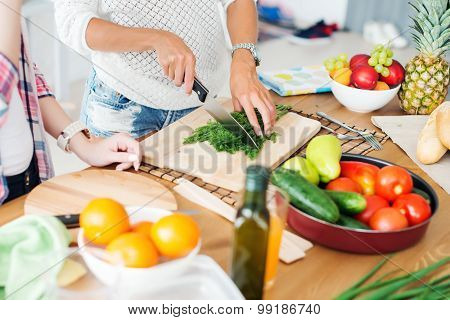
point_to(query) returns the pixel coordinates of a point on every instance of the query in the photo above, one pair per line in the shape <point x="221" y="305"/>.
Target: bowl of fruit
<point x="365" y="83"/>
<point x="355" y="203"/>
<point x="134" y="246"/>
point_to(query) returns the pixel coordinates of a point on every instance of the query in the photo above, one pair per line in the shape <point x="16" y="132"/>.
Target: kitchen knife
<point x="220" y="114"/>
<point x="71" y="221"/>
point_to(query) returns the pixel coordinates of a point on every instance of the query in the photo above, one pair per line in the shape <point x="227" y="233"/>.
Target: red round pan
<point x="362" y="241"/>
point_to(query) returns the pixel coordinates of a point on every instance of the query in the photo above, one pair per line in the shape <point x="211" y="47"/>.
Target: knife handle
<point x="200" y="90"/>
<point x="71" y="221"/>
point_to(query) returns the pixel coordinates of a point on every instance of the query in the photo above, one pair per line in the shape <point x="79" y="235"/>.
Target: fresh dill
<point x="224" y="140"/>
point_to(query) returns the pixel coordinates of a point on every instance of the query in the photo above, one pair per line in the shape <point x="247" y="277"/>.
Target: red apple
<point x="359" y="59"/>
<point x="396" y="74"/>
<point x="364" y="77"/>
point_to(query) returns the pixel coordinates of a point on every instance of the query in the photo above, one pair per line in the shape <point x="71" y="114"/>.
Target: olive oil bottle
<point x="251" y="235"/>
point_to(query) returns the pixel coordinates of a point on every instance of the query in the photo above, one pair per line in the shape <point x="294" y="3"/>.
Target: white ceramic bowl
<point x="112" y="275"/>
<point x="362" y="101"/>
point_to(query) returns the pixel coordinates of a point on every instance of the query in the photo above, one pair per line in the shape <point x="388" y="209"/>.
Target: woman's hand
<point x="248" y="93"/>
<point x="176" y="59"/>
<point x="120" y="148"/>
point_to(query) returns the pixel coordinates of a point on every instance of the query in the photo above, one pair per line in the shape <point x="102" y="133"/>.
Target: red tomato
<point x="344" y="184"/>
<point x="374" y="203"/>
<point x="362" y="173"/>
<point x="393" y="181"/>
<point x="414" y="207"/>
<point x="388" y="219"/>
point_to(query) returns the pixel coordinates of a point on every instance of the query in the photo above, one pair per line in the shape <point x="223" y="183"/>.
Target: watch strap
<point x="250" y="47"/>
<point x="67" y="134"/>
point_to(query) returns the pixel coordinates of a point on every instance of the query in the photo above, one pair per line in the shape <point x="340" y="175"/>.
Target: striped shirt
<point x="32" y="86"/>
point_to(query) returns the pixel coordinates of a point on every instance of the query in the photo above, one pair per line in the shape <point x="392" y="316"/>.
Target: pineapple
<point x="427" y="75"/>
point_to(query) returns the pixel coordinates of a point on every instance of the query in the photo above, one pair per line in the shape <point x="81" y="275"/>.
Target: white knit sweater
<point x="139" y="76"/>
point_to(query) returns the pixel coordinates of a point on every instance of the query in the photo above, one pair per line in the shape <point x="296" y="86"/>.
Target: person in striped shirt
<point x="28" y="109"/>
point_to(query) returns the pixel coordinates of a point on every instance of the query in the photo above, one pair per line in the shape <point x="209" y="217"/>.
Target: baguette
<point x="429" y="147"/>
<point x="443" y="124"/>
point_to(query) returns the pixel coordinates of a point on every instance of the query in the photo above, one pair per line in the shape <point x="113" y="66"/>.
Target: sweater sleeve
<point x="72" y="18"/>
<point x="226" y="3"/>
<point x="9" y="76"/>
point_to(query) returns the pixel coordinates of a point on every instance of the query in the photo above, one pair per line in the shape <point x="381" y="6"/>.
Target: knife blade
<point x="220" y="114"/>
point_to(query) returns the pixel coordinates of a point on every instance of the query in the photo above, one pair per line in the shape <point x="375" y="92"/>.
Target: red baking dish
<point x="362" y="241"/>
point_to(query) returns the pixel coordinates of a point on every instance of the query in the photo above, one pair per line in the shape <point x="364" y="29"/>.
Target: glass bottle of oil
<point x="251" y="235"/>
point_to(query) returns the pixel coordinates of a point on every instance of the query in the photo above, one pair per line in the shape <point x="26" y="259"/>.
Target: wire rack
<point x="230" y="197"/>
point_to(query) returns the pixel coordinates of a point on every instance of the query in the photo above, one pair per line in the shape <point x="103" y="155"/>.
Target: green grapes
<point x="381" y="58"/>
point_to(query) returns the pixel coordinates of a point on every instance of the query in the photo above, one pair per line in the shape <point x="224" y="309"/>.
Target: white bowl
<point x="362" y="101"/>
<point x="112" y="275"/>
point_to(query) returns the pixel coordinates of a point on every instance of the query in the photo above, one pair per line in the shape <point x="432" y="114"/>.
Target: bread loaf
<point x="429" y="147"/>
<point x="443" y="124"/>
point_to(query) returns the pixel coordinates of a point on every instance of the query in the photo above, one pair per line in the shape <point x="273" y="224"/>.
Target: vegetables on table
<point x="349" y="222"/>
<point x="325" y="152"/>
<point x="400" y="287"/>
<point x="374" y="203"/>
<point x="429" y="147"/>
<point x="304" y="167"/>
<point x="306" y="196"/>
<point x="224" y="140"/>
<point x="393" y="181"/>
<point x="414" y="207"/>
<point x="388" y="219"/>
<point x="362" y="173"/>
<point x="349" y="203"/>
<point x="344" y="184"/>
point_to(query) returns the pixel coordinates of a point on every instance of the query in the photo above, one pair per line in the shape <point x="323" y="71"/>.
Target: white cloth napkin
<point x="404" y="131"/>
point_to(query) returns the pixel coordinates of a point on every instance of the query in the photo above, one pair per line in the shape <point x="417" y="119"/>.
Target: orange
<point x="175" y="235"/>
<point x="134" y="250"/>
<point x="342" y="76"/>
<point x="381" y="86"/>
<point x="103" y="219"/>
<point x="143" y="227"/>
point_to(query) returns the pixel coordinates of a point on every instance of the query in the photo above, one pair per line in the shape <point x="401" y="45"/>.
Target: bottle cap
<point x="257" y="178"/>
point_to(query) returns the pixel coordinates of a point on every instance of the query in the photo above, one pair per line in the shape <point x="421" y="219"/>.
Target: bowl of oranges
<point x="136" y="245"/>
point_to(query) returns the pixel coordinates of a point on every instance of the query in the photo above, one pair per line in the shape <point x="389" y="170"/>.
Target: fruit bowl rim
<point x="396" y="88"/>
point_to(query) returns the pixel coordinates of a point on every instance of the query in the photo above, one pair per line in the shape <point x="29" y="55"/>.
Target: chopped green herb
<point x="224" y="140"/>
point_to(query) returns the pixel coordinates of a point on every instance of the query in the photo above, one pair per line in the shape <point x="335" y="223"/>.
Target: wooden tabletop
<point x="323" y="273"/>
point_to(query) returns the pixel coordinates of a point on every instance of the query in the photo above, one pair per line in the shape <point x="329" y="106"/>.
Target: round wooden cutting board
<point x="70" y="193"/>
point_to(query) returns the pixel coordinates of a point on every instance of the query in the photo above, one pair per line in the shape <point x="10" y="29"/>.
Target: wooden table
<point x="323" y="273"/>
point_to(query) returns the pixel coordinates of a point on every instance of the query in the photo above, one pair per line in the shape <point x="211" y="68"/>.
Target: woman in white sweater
<point x="147" y="52"/>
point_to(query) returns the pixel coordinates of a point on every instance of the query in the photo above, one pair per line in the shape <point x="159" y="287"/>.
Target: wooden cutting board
<point x="70" y="193"/>
<point x="165" y="149"/>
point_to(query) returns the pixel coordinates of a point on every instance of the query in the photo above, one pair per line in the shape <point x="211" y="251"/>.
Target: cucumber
<point x="306" y="196"/>
<point x="349" y="222"/>
<point x="422" y="193"/>
<point x="349" y="203"/>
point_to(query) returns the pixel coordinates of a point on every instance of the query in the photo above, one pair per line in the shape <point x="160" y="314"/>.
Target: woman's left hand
<point x="121" y="148"/>
<point x="249" y="94"/>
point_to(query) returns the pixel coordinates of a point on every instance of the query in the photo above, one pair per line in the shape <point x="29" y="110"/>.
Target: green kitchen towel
<point x="32" y="249"/>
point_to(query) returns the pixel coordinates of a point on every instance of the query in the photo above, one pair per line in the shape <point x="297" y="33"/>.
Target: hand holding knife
<point x="220" y="114"/>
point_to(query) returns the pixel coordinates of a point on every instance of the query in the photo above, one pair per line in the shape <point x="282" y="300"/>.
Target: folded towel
<point x="30" y="249"/>
<point x="296" y="81"/>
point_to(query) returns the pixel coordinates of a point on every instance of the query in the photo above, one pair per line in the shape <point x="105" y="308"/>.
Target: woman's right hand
<point x="176" y="59"/>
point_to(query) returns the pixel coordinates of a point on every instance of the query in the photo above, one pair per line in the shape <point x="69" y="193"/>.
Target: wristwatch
<point x="67" y="134"/>
<point x="250" y="47"/>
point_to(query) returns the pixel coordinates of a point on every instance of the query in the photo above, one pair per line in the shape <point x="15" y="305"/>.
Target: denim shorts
<point x="106" y="112"/>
